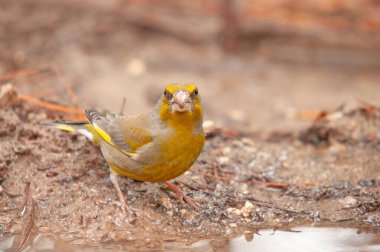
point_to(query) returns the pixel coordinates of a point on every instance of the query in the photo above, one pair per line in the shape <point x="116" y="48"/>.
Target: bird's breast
<point x="178" y="151"/>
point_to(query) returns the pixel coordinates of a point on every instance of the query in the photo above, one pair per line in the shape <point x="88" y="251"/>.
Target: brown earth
<point x="56" y="183"/>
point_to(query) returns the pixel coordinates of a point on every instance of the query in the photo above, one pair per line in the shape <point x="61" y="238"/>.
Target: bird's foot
<point x="126" y="210"/>
<point x="124" y="205"/>
<point x="182" y="197"/>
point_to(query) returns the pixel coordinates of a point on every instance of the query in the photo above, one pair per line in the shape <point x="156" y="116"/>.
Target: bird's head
<point x="181" y="101"/>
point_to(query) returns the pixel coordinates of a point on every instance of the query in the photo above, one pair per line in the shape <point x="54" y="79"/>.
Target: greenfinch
<point x="157" y="146"/>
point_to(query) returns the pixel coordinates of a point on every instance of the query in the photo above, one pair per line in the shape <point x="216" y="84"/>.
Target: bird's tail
<point x="84" y="128"/>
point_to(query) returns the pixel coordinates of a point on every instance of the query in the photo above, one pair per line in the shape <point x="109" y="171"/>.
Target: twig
<point x="288" y="229"/>
<point x="26" y="199"/>
<point x="123" y="105"/>
<point x="30" y="224"/>
<point x="19" y="73"/>
<point x="193" y="187"/>
<point x="367" y="105"/>
<point x="41" y="93"/>
<point x="75" y="118"/>
<point x="231" y="132"/>
<point x="28" y="228"/>
<point x="229" y="171"/>
<point x="216" y="170"/>
<point x="307" y="183"/>
<point x="50" y="106"/>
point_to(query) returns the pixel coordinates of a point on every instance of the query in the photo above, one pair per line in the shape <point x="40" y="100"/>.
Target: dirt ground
<point x="293" y="131"/>
<point x="57" y="183"/>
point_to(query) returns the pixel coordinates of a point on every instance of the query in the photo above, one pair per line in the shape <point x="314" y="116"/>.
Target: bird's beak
<point x="181" y="102"/>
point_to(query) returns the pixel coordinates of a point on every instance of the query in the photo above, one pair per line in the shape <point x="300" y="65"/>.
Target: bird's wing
<point x="136" y="130"/>
<point x="125" y="133"/>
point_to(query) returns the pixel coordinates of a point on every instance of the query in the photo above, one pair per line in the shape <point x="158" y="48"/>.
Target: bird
<point x="156" y="146"/>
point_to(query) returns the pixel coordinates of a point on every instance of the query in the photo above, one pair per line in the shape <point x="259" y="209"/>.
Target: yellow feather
<point x="102" y="134"/>
<point x="174" y="87"/>
<point x="106" y="137"/>
<point x="65" y="127"/>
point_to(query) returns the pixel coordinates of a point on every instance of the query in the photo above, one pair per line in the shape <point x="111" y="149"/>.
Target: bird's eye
<point x="167" y="94"/>
<point x="196" y="91"/>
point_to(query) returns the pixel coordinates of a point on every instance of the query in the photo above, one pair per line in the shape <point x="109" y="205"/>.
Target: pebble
<point x="247" y="141"/>
<point x="183" y="211"/>
<point x="226" y="151"/>
<point x="208" y="124"/>
<point x="348" y="201"/>
<point x="234" y="210"/>
<point x="247" y="210"/>
<point x="166" y="203"/>
<point x="8" y="95"/>
<point x="222" y="160"/>
<point x="248" y="235"/>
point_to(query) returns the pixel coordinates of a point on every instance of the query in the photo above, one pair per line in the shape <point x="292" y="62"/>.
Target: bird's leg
<point x="181" y="195"/>
<point x="124" y="206"/>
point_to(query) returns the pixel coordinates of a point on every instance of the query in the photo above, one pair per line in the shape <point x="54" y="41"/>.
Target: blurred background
<point x="260" y="65"/>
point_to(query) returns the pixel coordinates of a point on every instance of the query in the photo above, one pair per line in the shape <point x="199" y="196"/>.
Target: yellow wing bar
<point x="107" y="138"/>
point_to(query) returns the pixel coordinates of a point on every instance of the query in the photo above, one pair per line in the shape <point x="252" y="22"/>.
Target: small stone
<point x="244" y="188"/>
<point x="248" y="235"/>
<point x="230" y="209"/>
<point x="348" y="201"/>
<point x="222" y="160"/>
<point x="166" y="203"/>
<point x="8" y="95"/>
<point x="234" y="210"/>
<point x="247" y="210"/>
<point x="210" y="127"/>
<point x="226" y="150"/>
<point x="208" y="124"/>
<point x="247" y="141"/>
<point x="183" y="211"/>
<point x="220" y="188"/>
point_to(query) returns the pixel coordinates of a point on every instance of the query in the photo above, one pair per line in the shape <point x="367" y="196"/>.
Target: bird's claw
<point x="181" y="196"/>
<point x="190" y="201"/>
